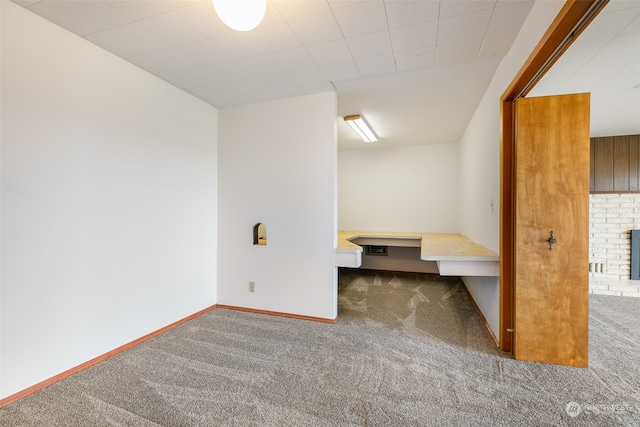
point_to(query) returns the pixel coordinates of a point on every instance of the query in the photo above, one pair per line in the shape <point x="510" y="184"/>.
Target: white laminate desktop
<point x="455" y="254"/>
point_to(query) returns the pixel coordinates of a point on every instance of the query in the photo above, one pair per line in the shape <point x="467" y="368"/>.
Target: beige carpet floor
<point x="409" y="350"/>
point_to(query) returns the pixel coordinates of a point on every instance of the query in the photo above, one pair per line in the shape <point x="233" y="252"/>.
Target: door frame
<point x="572" y="19"/>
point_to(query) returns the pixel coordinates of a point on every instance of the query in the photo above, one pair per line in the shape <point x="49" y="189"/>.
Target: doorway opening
<point x="570" y="22"/>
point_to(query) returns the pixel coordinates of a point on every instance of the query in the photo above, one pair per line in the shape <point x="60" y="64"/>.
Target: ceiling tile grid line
<point x="301" y="47"/>
<point x="333" y="69"/>
<point x="604" y="61"/>
<point x="142" y="42"/>
<point x="389" y="59"/>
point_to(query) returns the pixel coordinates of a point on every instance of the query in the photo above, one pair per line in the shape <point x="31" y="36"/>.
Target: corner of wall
<point x="485" y="292"/>
<point x="480" y="157"/>
<point x="280" y="171"/>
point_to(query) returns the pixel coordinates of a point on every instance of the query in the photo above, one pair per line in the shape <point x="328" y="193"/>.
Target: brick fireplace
<point x="612" y="217"/>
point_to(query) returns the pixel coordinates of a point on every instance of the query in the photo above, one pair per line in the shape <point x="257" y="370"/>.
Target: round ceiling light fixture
<point x="241" y="15"/>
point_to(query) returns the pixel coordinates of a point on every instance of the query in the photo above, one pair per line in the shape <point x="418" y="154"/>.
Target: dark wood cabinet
<point x="634" y="164"/>
<point x="615" y="164"/>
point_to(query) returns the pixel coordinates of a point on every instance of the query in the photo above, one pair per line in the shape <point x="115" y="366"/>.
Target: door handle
<point x="552" y="240"/>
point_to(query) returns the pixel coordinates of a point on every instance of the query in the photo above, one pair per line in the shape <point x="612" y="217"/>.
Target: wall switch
<point x="252" y="286"/>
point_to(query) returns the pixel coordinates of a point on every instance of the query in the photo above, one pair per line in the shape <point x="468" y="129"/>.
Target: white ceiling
<point x="604" y="60"/>
<point x="416" y="69"/>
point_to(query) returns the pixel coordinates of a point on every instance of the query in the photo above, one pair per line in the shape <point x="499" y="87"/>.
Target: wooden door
<point x="551" y="287"/>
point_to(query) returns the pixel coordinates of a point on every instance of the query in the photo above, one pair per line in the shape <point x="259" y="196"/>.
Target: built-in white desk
<point x="454" y="254"/>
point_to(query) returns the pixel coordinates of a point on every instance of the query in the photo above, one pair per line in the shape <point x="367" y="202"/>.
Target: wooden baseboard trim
<point x="27" y="391"/>
<point x="277" y="313"/>
<point x="484" y="319"/>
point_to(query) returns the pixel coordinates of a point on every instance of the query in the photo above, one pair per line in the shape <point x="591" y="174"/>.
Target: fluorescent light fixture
<point x="358" y="124"/>
<point x="241" y="15"/>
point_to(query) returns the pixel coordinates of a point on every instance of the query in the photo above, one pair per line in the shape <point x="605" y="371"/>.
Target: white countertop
<point x="433" y="246"/>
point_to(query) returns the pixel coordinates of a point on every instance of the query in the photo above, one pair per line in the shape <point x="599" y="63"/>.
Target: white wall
<point x="480" y="157"/>
<point x="108" y="199"/>
<point x="277" y="165"/>
<point x="399" y="189"/>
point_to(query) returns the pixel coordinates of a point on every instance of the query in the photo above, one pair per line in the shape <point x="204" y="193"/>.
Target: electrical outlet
<point x="252" y="286"/>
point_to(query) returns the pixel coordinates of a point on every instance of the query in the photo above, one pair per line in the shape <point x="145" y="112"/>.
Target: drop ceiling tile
<point x="340" y="70"/>
<point x="210" y="51"/>
<point x="613" y="59"/>
<point x="330" y="52"/>
<point x="240" y="45"/>
<point x="625" y="79"/>
<point x="233" y="101"/>
<point x="462" y="7"/>
<point x="376" y="65"/>
<point x="633" y="27"/>
<point x="263" y="96"/>
<point x="128" y="40"/>
<point x="271" y="38"/>
<point x="620" y="4"/>
<point x="319" y="87"/>
<point x="508" y="19"/>
<point x="247" y="86"/>
<point x="230" y="71"/>
<point x="464" y="28"/>
<point x="26" y="3"/>
<point x="407" y="12"/>
<point x="293" y="59"/>
<point x="610" y="24"/>
<point x="600" y="99"/>
<point x="101" y="15"/>
<point x="217" y="103"/>
<point x="548" y="87"/>
<point x="568" y="65"/>
<point x="202" y="24"/>
<point x="192" y="78"/>
<point x="277" y="81"/>
<point x="372" y="44"/>
<point x="342" y="3"/>
<point x="620" y="51"/>
<point x="621" y="128"/>
<point x="307" y="76"/>
<point x="587" y="79"/>
<point x="51" y="11"/>
<point x="271" y="16"/>
<point x="415" y="36"/>
<point x="259" y="66"/>
<point x="361" y="18"/>
<point x="317" y="28"/>
<point x="456" y="52"/>
<point x="419" y="58"/>
<point x="623" y="104"/>
<point x="216" y="91"/>
<point x="290" y="9"/>
<point x="288" y="92"/>
<point x="164" y="61"/>
<point x="497" y="45"/>
<point x="510" y="2"/>
<point x="137" y="10"/>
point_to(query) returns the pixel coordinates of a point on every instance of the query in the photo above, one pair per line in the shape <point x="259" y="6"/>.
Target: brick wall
<point x="612" y="216"/>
